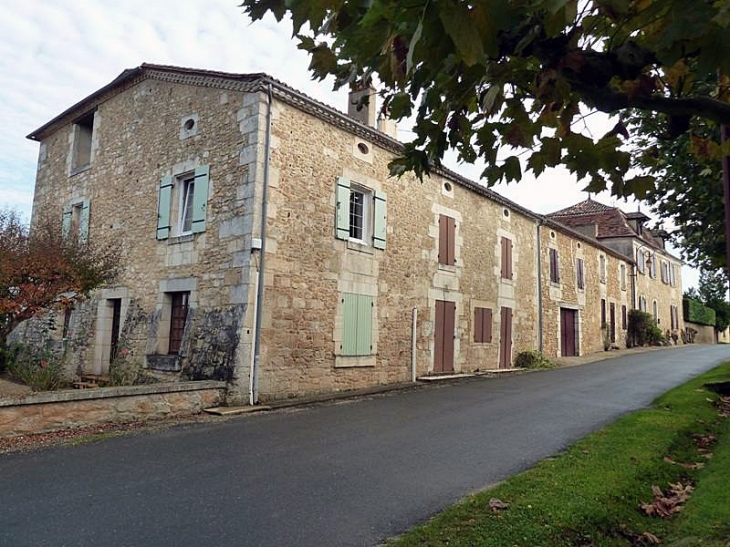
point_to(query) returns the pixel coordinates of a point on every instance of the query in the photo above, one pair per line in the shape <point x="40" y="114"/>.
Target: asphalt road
<point x="350" y="473"/>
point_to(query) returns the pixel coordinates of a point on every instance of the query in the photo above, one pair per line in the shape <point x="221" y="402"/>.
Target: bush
<point x="125" y="372"/>
<point x="533" y="359"/>
<point x="40" y="370"/>
<point x="643" y="331"/>
<point x="696" y="312"/>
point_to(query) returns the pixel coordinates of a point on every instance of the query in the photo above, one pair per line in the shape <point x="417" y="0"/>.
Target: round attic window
<point x="189" y="124"/>
<point x="552" y="235"/>
<point x="579" y="245"/>
<point x="506" y="212"/>
<point x="447" y="186"/>
<point x="363" y="148"/>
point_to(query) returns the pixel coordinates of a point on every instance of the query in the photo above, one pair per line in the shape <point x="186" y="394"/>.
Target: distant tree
<point x="713" y="293"/>
<point x="485" y="75"/>
<point x="41" y="269"/>
<point x="688" y="180"/>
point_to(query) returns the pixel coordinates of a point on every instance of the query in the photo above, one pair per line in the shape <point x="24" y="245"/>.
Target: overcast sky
<point x="54" y="53"/>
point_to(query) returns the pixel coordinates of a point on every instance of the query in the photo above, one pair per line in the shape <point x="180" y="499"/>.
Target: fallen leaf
<point x="497" y="505"/>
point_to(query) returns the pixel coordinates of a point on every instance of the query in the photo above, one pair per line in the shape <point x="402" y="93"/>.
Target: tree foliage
<point x="713" y="293"/>
<point x="488" y="75"/>
<point x="688" y="181"/>
<point x="40" y="269"/>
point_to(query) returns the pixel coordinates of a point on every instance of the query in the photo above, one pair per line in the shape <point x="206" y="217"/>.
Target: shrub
<point x="533" y="359"/>
<point x="643" y="331"/>
<point x="125" y="372"/>
<point x="40" y="370"/>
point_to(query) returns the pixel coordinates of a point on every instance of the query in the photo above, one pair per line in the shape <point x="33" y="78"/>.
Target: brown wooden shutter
<point x="506" y="258"/>
<point x="603" y="312"/>
<point x="623" y="317"/>
<point x="581" y="279"/>
<point x="554" y="269"/>
<point x="447" y="240"/>
<point x="478" y="325"/>
<point x="487" y="323"/>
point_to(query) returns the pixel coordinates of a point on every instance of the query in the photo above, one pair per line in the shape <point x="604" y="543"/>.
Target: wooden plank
<point x="449" y="326"/>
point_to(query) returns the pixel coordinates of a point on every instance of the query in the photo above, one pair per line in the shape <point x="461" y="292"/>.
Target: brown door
<point x="116" y="318"/>
<point x="178" y="315"/>
<point x="444" y="336"/>
<point x="505" y="338"/>
<point x="567" y="333"/>
<point x="612" y="314"/>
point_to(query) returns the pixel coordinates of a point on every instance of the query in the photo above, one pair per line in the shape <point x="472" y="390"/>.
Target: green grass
<point x="590" y="494"/>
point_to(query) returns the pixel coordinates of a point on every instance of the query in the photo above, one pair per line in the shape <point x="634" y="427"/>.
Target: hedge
<point x="695" y="312"/>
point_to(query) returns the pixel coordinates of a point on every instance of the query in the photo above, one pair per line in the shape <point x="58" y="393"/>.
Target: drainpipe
<point x="254" y="387"/>
<point x="539" y="286"/>
<point x="413" y="345"/>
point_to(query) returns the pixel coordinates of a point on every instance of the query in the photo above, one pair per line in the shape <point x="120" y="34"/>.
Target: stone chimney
<point x="361" y="105"/>
<point x="388" y="126"/>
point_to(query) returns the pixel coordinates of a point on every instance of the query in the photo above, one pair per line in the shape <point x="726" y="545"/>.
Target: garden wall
<point x="54" y="410"/>
<point x="705" y="333"/>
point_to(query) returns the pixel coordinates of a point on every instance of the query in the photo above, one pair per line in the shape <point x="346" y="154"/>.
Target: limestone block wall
<point x="151" y="130"/>
<point x="308" y="269"/>
<point x="665" y="295"/>
<point x="614" y="288"/>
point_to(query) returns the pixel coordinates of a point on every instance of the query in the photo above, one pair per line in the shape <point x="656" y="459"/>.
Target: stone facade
<point x="338" y="305"/>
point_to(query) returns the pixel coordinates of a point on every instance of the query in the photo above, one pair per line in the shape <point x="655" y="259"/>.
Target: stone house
<point x="265" y="244"/>
<point x="655" y="278"/>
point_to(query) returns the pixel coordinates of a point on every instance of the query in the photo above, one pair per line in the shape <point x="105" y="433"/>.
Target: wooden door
<point x="612" y="314"/>
<point x="444" y="336"/>
<point x="178" y="316"/>
<point x="505" y="338"/>
<point x="567" y="333"/>
<point x="116" y="320"/>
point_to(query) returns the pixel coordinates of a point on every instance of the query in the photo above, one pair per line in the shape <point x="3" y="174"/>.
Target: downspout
<point x="539" y="286"/>
<point x="254" y="377"/>
<point x="414" y="333"/>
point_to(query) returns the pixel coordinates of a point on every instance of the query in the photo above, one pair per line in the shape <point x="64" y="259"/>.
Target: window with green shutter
<point x="357" y="328"/>
<point x="182" y="203"/>
<point x="361" y="214"/>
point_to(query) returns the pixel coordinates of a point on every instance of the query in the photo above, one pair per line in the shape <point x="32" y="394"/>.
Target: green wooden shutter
<point x="349" y="320"/>
<point x="200" y="198"/>
<point x="66" y="220"/>
<point x="84" y="222"/>
<point x="364" y="325"/>
<point x="163" y="208"/>
<point x="380" y="224"/>
<point x="343" y="208"/>
<point x="357" y="330"/>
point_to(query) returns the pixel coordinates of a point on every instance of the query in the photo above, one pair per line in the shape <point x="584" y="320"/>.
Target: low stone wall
<point x="705" y="333"/>
<point x="54" y="410"/>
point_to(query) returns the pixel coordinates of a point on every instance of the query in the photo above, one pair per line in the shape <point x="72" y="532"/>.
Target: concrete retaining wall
<point x="54" y="410"/>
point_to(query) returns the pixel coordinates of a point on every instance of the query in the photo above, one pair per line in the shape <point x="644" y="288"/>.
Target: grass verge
<point x="590" y="494"/>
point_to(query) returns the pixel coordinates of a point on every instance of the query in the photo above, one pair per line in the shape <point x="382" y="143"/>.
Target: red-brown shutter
<point x="447" y="240"/>
<point x="478" y="325"/>
<point x="451" y="241"/>
<point x="487" y="325"/>
<point x="507" y="253"/>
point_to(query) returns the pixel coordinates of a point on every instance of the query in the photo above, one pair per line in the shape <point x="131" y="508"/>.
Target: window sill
<point x="80" y="169"/>
<point x="359" y="246"/>
<point x="447" y="268"/>
<point x="354" y="361"/>
<point x="167" y="363"/>
<point x="176" y="240"/>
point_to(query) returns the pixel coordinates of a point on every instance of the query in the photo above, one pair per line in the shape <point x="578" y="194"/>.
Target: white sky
<point x="54" y="53"/>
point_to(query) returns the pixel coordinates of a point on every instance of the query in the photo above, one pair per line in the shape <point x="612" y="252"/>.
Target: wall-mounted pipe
<point x="254" y="380"/>
<point x="539" y="286"/>
<point x="413" y="344"/>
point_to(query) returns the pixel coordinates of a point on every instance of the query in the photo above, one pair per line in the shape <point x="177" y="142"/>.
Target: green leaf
<point x="512" y="169"/>
<point x="460" y="28"/>
<point x="412" y="46"/>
